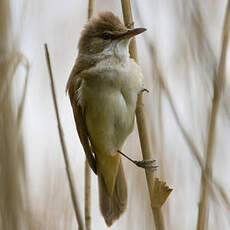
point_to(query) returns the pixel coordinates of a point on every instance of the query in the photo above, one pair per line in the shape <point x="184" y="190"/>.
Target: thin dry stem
<point x="129" y="23"/>
<point x="219" y="83"/>
<point x="90" y="8"/>
<point x="87" y="196"/>
<point x="87" y="168"/>
<point x="64" y="149"/>
<point x="142" y="127"/>
<point x="22" y="103"/>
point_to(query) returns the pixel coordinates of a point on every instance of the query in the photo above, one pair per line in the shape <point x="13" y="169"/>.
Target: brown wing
<point x="73" y="85"/>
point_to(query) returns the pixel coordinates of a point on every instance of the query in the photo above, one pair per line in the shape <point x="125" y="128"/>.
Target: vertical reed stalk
<point x="64" y="149"/>
<point x="141" y="123"/>
<point x="87" y="196"/>
<point x="219" y="83"/>
<point x="13" y="192"/>
<point x="90" y="8"/>
<point x="87" y="168"/>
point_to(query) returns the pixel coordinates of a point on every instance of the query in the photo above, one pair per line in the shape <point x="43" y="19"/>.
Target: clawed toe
<point x="147" y="164"/>
<point x="145" y="90"/>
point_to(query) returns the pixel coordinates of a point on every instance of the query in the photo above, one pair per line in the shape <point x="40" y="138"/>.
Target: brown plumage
<point x="113" y="206"/>
<point x="103" y="88"/>
<point x="91" y="41"/>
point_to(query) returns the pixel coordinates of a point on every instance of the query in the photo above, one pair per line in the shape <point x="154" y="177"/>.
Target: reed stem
<point x="219" y="82"/>
<point x="141" y="122"/>
<point x="87" y="168"/>
<point x="64" y="149"/>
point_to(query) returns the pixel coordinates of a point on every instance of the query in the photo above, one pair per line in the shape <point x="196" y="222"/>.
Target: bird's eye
<point x="106" y="36"/>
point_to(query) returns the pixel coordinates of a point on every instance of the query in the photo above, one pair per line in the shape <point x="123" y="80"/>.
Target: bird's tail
<point x="113" y="206"/>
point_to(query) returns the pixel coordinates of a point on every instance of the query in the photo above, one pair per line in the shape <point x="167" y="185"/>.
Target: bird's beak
<point x="131" y="33"/>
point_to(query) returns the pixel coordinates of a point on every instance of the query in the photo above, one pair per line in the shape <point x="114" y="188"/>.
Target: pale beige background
<point x="187" y="67"/>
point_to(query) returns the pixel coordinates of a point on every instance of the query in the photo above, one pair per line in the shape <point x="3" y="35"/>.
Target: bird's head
<point x="103" y="34"/>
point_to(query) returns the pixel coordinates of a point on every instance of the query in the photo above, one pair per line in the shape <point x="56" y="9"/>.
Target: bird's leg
<point x="146" y="164"/>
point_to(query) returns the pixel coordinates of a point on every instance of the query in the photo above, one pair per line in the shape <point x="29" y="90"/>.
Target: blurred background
<point x="179" y="55"/>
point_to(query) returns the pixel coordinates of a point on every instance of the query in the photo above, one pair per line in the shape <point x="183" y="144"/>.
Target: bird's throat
<point x="119" y="49"/>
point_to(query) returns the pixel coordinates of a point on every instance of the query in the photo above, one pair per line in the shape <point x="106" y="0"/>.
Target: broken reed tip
<point x="161" y="193"/>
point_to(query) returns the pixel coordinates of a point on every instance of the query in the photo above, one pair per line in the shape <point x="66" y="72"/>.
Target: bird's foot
<point x="146" y="164"/>
<point x="144" y="90"/>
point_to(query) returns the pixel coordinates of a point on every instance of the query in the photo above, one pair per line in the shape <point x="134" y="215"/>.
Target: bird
<point x="103" y="87"/>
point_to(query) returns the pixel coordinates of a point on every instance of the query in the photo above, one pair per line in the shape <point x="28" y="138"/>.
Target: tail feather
<point x="113" y="206"/>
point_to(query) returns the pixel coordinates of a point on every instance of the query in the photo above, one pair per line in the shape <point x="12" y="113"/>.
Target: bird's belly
<point x="109" y="119"/>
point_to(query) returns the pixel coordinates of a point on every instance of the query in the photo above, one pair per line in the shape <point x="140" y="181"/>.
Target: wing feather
<point x="73" y="86"/>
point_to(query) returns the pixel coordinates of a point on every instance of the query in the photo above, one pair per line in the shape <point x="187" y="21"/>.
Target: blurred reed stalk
<point x="21" y="105"/>
<point x="214" y="186"/>
<point x="216" y="189"/>
<point x="218" y="85"/>
<point x="64" y="149"/>
<point x="87" y="196"/>
<point x="13" y="192"/>
<point x="87" y="168"/>
<point x="153" y="183"/>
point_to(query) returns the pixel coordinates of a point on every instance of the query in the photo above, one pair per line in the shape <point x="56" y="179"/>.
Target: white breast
<point x="109" y="98"/>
